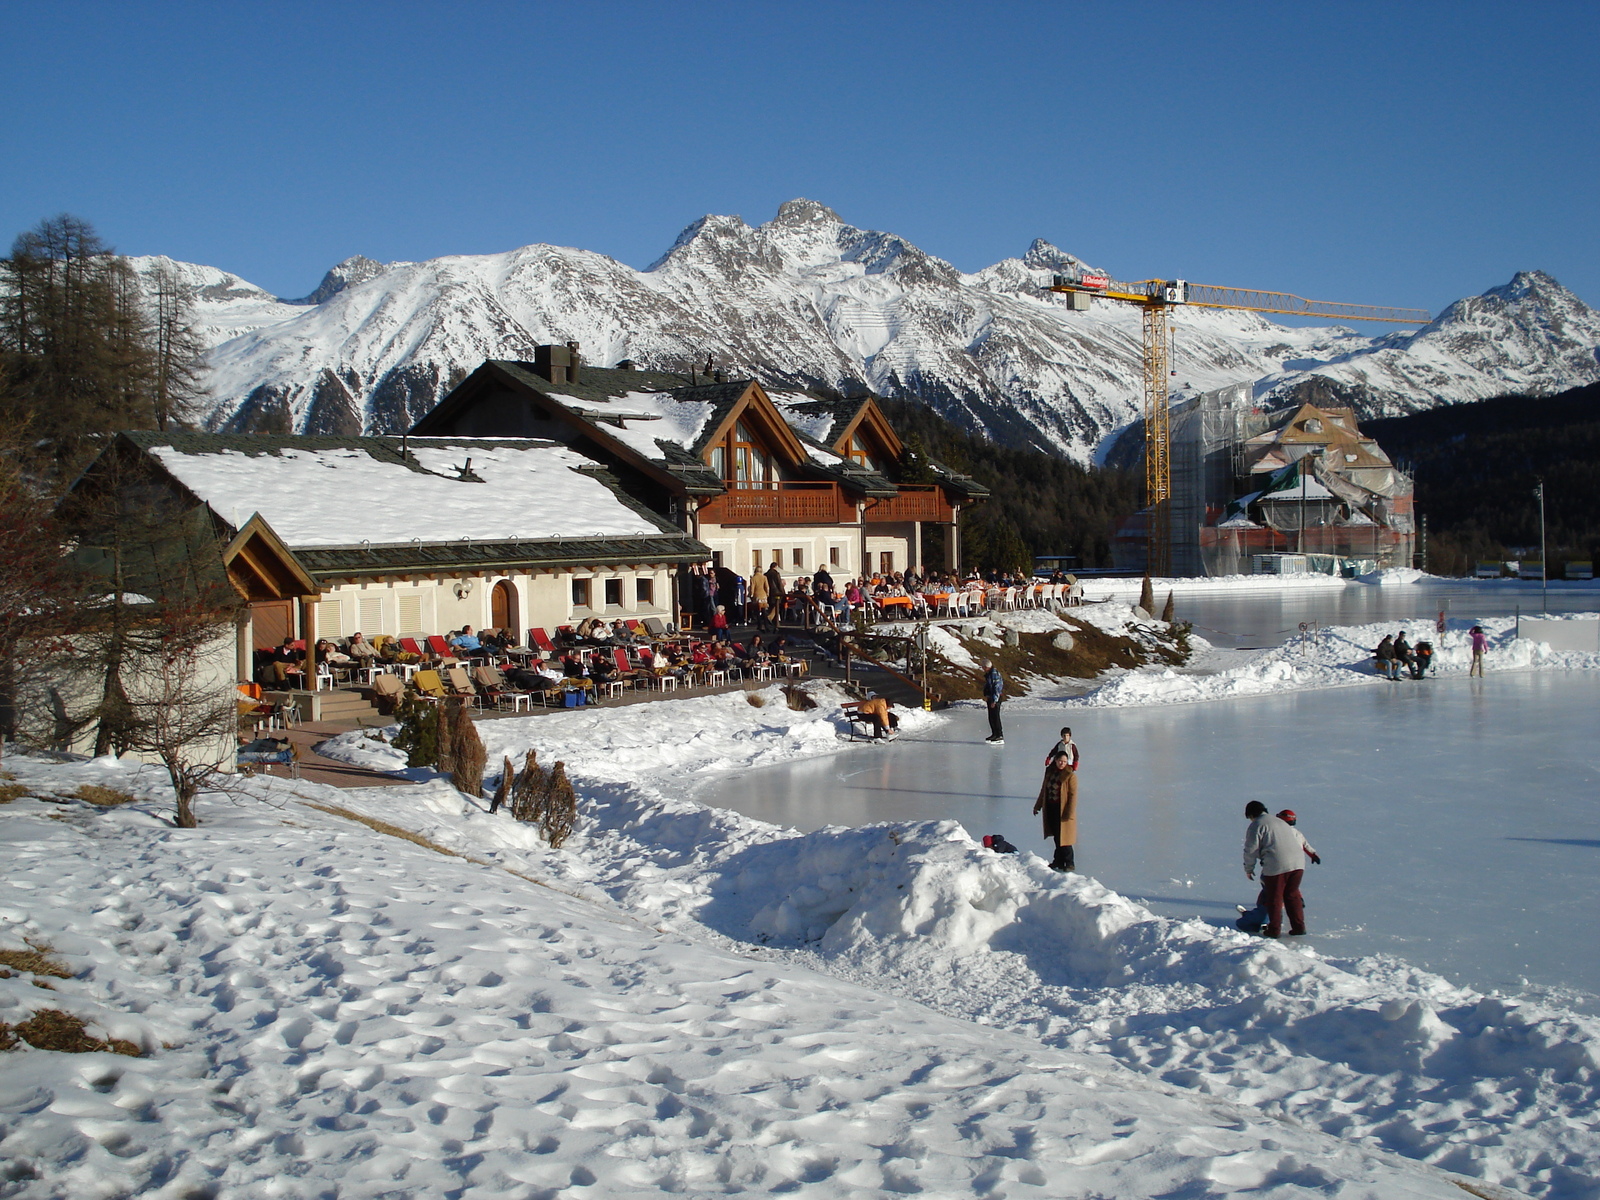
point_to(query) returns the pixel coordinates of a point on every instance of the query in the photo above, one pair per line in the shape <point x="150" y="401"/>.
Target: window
<point x="644" y="591"/>
<point x="797" y="557"/>
<point x="886" y="562"/>
<point x="858" y="452"/>
<point x="580" y="593"/>
<point x="833" y="556"/>
<point x="410" y="615"/>
<point x="742" y="459"/>
<point x="613" y="593"/>
<point x="371" y="616"/>
<point x="716" y="558"/>
<point x="330" y="618"/>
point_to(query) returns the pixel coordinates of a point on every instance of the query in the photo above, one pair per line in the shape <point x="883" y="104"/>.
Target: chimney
<point x="575" y="361"/>
<point x="555" y="363"/>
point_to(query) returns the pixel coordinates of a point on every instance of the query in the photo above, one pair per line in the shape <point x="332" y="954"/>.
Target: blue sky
<point x="1377" y="153"/>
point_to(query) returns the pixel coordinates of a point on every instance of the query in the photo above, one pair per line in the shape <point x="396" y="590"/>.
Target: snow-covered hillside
<point x="808" y="299"/>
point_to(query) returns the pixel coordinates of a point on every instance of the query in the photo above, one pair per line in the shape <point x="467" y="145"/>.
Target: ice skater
<point x="1479" y="644"/>
<point x="994" y="688"/>
<point x="1064" y="746"/>
<point x="1058" y="802"/>
<point x="1281" y="852"/>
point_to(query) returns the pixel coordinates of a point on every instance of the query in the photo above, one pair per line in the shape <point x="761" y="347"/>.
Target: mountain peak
<point x="800" y="212"/>
<point x="1043" y="256"/>
<point x="354" y="270"/>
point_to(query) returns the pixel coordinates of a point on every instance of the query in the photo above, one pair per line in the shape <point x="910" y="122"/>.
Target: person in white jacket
<point x="1281" y="851"/>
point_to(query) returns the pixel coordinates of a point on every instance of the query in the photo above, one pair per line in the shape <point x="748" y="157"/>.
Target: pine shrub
<point x="467" y="755"/>
<point x="418" y="736"/>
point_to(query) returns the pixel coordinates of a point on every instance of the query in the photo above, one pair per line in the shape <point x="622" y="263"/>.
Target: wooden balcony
<point x="916" y="502"/>
<point x="780" y="504"/>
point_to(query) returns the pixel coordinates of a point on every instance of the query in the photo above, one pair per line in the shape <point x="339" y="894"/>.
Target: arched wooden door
<point x="503" y="608"/>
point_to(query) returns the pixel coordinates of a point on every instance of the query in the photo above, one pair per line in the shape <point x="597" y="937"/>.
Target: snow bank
<point x="325" y="1008"/>
<point x="1339" y="656"/>
<point x="1371" y="1050"/>
<point x="1395" y="577"/>
<point x="1128" y="587"/>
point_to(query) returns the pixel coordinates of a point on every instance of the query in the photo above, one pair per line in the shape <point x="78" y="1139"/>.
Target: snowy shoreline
<point x="696" y="1001"/>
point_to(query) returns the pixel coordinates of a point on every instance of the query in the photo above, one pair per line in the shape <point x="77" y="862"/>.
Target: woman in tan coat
<point x="1058" y="801"/>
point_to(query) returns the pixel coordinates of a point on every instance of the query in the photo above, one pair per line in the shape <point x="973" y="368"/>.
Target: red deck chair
<point x="625" y="669"/>
<point x="409" y="645"/>
<point x="540" y="640"/>
<point x="633" y="626"/>
<point x="439" y="646"/>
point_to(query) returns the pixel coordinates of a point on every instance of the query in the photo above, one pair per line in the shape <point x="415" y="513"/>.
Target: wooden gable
<point x="757" y="412"/>
<point x="261" y="567"/>
<point x="872" y="430"/>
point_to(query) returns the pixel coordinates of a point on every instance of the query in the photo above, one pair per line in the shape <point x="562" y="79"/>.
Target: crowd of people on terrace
<point x="766" y="601"/>
<point x="587" y="656"/>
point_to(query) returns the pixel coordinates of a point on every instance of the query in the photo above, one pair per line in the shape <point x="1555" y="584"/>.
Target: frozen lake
<point x="1268" y="618"/>
<point x="1458" y="819"/>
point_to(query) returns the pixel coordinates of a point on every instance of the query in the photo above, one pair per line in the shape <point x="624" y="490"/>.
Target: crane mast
<point x="1156" y="299"/>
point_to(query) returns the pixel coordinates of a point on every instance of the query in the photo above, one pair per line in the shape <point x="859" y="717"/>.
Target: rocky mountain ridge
<point x="808" y="299"/>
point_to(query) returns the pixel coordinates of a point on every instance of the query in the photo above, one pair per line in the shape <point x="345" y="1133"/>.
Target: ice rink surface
<point x="1458" y="819"/>
<point x="1267" y="617"/>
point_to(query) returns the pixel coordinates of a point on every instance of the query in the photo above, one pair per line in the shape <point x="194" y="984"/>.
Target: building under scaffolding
<point x="1304" y="481"/>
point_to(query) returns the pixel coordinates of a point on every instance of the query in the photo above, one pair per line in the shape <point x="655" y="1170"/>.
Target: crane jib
<point x="1206" y="295"/>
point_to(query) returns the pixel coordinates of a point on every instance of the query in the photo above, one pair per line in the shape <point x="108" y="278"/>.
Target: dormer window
<point x="857" y="453"/>
<point x="742" y="459"/>
<point x="1313" y="425"/>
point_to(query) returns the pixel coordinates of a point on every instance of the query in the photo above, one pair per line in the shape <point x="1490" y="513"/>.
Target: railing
<point x="916" y="502"/>
<point x="779" y="504"/>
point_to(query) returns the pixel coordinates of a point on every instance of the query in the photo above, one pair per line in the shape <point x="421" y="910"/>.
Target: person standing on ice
<point x="1280" y="850"/>
<point x="1058" y="802"/>
<point x="1065" y="746"/>
<point x="1479" y="644"/>
<point x="994" y="689"/>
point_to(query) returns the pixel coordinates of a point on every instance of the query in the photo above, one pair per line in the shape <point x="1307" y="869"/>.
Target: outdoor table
<point x="894" y="602"/>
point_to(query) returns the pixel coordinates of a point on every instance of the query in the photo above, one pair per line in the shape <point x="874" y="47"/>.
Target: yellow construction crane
<point x="1157" y="298"/>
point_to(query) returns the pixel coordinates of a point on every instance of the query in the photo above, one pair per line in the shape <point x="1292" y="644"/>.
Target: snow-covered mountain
<point x="807" y="299"/>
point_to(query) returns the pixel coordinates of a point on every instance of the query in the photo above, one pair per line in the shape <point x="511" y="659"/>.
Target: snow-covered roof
<point x="639" y="419"/>
<point x="346" y="492"/>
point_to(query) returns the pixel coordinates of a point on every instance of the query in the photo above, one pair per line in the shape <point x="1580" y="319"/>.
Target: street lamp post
<point x="1544" y="558"/>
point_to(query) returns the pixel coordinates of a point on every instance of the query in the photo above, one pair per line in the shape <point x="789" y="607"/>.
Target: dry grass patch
<point x="35" y="960"/>
<point x="755" y="700"/>
<point x="103" y="797"/>
<point x="384" y="827"/>
<point x="12" y="791"/>
<point x="52" y="1029"/>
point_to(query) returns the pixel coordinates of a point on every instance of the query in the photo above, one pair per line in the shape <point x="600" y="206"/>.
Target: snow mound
<point x="1394" y="577"/>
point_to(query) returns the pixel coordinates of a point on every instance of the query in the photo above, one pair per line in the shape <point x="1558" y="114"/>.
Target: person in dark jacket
<point x="1421" y="658"/>
<point x="1402" y="654"/>
<point x="1384" y="656"/>
<point x="993" y="696"/>
<point x="1058" y="804"/>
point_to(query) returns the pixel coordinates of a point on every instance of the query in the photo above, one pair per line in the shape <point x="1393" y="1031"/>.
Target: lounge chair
<point x="540" y="641"/>
<point x="410" y="646"/>
<point x="387" y="691"/>
<point x="626" y="674"/>
<point x="430" y="685"/>
<point x="497" y="690"/>
<point x="459" y="684"/>
<point x="655" y="627"/>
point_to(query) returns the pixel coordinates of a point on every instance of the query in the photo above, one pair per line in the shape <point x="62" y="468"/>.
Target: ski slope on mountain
<point x="808" y="300"/>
